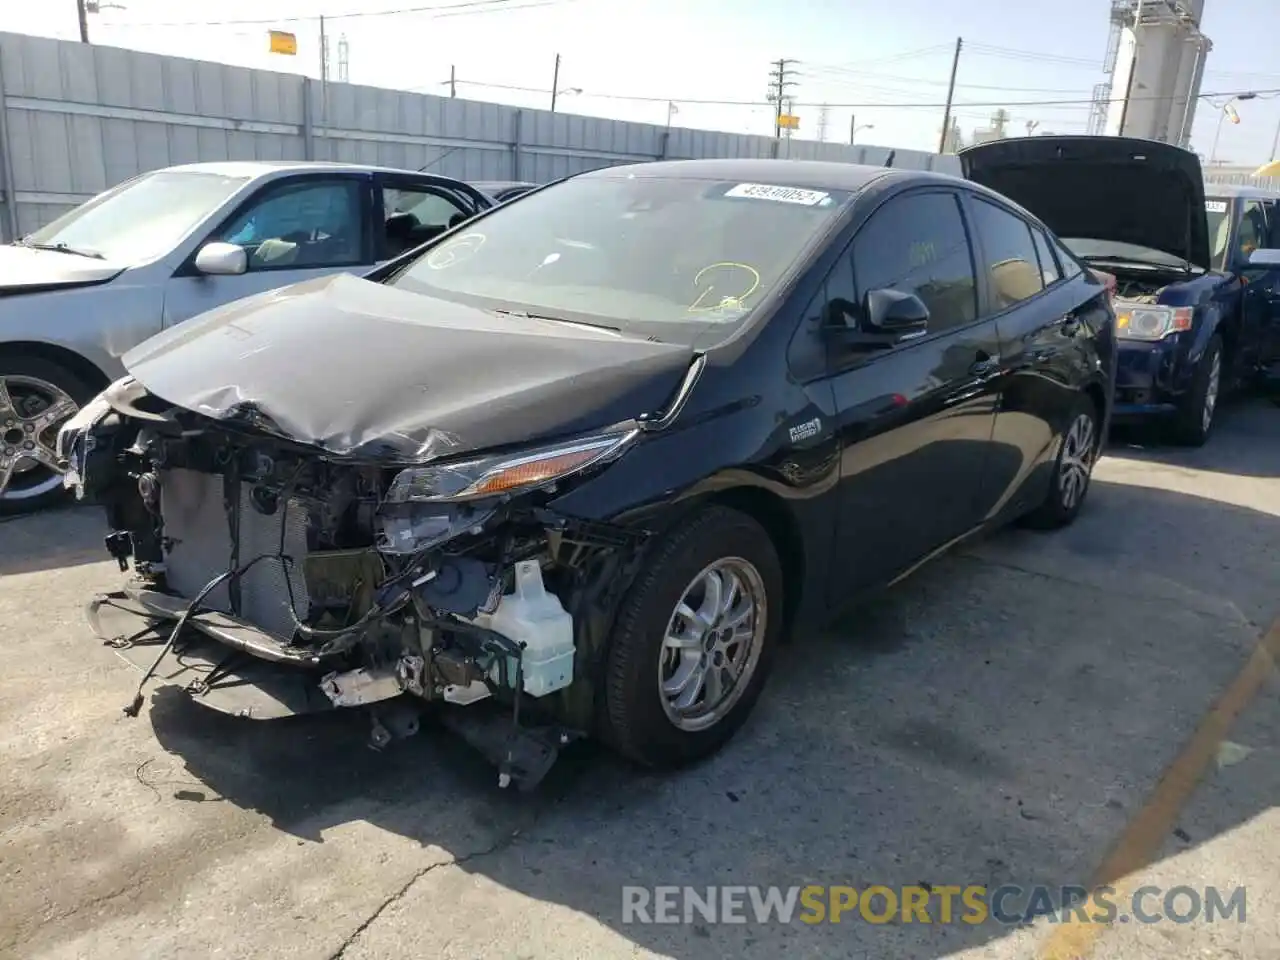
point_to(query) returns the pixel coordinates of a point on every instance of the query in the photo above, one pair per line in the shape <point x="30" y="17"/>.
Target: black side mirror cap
<point x="895" y="312"/>
<point x="885" y="319"/>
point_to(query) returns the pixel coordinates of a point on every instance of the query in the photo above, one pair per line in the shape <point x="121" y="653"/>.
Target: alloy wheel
<point x="1077" y="461"/>
<point x="1211" y="391"/>
<point x="712" y="644"/>
<point x="31" y="411"/>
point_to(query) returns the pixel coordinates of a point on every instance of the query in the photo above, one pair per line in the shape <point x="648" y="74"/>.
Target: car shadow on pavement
<point x="1245" y="442"/>
<point x="51" y="539"/>
<point x="996" y="719"/>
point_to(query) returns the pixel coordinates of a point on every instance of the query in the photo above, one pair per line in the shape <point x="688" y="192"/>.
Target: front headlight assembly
<point x="432" y="504"/>
<point x="506" y="473"/>
<point x="1142" y="321"/>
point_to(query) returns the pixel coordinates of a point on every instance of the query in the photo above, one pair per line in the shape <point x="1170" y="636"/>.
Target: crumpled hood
<point x="1101" y="188"/>
<point x="23" y="268"/>
<point x="366" y="370"/>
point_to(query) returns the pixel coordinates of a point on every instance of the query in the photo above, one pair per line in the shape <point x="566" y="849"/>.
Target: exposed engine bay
<point x="283" y="581"/>
<point x="1141" y="290"/>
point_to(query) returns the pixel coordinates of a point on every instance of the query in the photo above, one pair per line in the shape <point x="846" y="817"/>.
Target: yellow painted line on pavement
<point x="1138" y="846"/>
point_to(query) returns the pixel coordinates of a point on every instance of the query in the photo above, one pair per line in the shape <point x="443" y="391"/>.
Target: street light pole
<point x="86" y="7"/>
<point x="555" y="83"/>
<point x="1222" y="115"/>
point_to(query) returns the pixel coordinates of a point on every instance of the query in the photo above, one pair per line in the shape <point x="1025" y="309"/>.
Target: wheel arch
<point x="77" y="364"/>
<point x="1093" y="390"/>
<point x="1222" y="324"/>
<point x="783" y="527"/>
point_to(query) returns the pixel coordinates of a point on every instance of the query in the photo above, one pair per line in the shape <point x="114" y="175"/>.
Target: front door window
<point x="301" y="225"/>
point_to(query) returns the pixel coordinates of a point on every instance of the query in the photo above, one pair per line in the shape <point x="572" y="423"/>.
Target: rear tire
<point x="733" y="627"/>
<point x="1072" y="470"/>
<point x="41" y="397"/>
<point x="1198" y="410"/>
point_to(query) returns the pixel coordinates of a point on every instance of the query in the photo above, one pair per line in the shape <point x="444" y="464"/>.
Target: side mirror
<point x="1265" y="257"/>
<point x="885" y="319"/>
<point x="902" y="316"/>
<point x="222" y="259"/>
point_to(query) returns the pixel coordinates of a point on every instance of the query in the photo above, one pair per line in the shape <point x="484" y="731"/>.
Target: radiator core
<point x="199" y="548"/>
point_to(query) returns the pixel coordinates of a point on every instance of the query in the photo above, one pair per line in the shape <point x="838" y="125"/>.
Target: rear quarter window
<point x="1070" y="265"/>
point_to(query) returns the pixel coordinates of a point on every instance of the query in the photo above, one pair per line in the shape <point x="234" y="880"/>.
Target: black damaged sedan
<point x="579" y="466"/>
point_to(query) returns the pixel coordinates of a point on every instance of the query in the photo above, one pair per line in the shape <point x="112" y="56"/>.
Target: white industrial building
<point x="1155" y="61"/>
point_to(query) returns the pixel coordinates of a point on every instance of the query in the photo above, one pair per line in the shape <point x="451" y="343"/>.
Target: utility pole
<point x="324" y="75"/>
<point x="555" y="83"/>
<point x="779" y="82"/>
<point x="83" y="9"/>
<point x="999" y="121"/>
<point x="453" y="81"/>
<point x="951" y="92"/>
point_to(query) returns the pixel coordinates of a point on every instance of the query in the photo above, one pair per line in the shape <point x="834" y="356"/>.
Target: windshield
<point x="140" y="219"/>
<point x="674" y="259"/>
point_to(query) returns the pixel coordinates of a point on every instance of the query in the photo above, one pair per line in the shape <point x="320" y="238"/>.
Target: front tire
<point x="1072" y="470"/>
<point x="1196" y="415"/>
<point x="694" y="640"/>
<point x="36" y="398"/>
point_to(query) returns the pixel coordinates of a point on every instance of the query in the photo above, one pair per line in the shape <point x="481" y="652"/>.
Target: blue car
<point x="1196" y="279"/>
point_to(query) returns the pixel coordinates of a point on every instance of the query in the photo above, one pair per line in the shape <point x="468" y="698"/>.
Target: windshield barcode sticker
<point x="764" y="191"/>
<point x="1215" y="206"/>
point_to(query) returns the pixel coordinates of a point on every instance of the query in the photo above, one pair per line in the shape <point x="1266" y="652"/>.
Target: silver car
<point x="170" y="244"/>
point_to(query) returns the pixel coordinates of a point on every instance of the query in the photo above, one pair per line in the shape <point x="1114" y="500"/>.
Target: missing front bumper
<point x="222" y="677"/>
<point x="234" y="681"/>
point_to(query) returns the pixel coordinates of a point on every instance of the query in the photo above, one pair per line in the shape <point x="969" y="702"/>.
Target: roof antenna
<point x="888" y="161"/>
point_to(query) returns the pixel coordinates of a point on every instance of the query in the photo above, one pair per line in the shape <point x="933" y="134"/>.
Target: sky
<point x="881" y="66"/>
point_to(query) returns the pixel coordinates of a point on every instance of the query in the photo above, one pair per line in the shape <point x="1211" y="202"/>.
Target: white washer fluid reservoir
<point x="536" y="618"/>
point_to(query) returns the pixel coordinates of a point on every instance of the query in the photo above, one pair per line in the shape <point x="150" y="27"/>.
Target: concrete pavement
<point x="1001" y="717"/>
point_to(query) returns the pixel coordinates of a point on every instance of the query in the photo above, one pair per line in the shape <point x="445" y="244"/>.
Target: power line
<point x="843" y="77"/>
<point x="908" y="55"/>
<point x="1261" y="94"/>
<point x="1009" y="53"/>
<point x="465" y="7"/>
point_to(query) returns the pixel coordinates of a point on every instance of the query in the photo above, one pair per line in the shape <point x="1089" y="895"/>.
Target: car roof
<point x="1230" y="191"/>
<point x="806" y="174"/>
<point x="260" y="168"/>
<point x="493" y="185"/>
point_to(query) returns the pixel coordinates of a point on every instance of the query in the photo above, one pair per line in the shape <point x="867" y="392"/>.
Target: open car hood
<point x="1101" y="188"/>
<point x="359" y="369"/>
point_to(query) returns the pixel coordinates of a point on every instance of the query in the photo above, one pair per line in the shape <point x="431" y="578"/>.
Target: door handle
<point x="985" y="364"/>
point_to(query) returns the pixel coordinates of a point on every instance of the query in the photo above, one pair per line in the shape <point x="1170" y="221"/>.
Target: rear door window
<point x="413" y="214"/>
<point x="1012" y="264"/>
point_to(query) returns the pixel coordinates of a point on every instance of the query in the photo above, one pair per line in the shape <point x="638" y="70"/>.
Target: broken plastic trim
<point x="123" y="395"/>
<point x="690" y="380"/>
